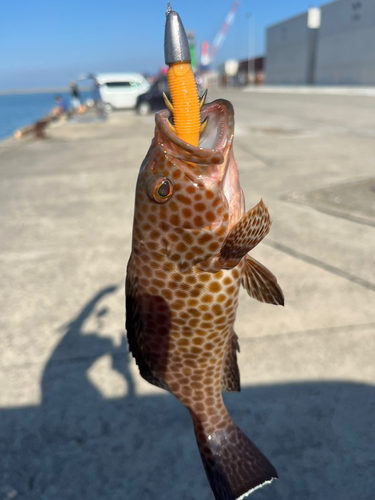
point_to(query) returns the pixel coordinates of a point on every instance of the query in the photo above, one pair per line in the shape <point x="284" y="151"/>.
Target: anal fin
<point x="230" y="374"/>
<point x="260" y="283"/>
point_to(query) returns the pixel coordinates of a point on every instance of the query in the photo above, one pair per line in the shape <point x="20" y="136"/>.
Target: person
<point x="75" y="96"/>
<point x="38" y="127"/>
<point x="60" y="108"/>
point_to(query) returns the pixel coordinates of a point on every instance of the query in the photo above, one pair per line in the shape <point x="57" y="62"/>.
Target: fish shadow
<point x="80" y="445"/>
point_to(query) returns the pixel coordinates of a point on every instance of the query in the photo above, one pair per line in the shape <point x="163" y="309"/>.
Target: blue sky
<point x="48" y="43"/>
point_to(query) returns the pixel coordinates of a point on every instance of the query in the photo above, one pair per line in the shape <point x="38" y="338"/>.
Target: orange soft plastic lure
<point x="185" y="99"/>
<point x="186" y="104"/>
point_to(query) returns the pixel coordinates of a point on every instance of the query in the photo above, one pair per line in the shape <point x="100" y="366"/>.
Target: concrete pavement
<point x="77" y="421"/>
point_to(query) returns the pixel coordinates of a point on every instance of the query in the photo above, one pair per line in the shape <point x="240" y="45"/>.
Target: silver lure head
<point x="176" y="46"/>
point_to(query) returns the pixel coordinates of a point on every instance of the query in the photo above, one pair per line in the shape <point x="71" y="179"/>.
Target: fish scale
<point x="191" y="237"/>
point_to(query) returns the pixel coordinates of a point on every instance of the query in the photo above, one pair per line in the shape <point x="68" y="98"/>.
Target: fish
<point x="189" y="257"/>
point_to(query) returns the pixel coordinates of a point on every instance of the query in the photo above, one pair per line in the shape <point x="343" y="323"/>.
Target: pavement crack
<point x="322" y="265"/>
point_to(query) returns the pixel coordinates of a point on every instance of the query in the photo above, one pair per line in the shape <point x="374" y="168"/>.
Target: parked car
<point x="153" y="99"/>
<point x="120" y="90"/>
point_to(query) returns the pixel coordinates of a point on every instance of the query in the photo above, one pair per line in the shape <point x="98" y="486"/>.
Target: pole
<point x="253" y="18"/>
<point x="248" y="15"/>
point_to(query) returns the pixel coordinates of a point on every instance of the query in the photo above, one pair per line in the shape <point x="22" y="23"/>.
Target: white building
<point x="333" y="45"/>
<point x="291" y="50"/>
<point x="346" y="46"/>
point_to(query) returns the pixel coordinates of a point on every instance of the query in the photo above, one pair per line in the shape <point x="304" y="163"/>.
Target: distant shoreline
<point x="47" y="90"/>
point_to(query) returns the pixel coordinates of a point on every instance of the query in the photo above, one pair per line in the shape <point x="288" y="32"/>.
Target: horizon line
<point x="40" y="90"/>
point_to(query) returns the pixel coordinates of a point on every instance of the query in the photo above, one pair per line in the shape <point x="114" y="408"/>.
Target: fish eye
<point x="163" y="190"/>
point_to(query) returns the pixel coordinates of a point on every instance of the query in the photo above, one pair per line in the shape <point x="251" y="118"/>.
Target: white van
<point x="120" y="90"/>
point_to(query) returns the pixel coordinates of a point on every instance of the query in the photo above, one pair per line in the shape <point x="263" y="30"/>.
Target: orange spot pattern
<point x="189" y="337"/>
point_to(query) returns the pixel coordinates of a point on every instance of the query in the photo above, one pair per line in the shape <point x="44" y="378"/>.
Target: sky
<point x="48" y="43"/>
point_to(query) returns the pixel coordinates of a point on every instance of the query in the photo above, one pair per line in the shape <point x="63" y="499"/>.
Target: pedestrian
<point x="60" y="108"/>
<point x="75" y="98"/>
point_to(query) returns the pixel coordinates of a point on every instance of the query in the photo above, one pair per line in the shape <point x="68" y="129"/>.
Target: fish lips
<point x="207" y="161"/>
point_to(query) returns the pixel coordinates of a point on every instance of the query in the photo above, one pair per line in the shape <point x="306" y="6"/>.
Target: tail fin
<point x="233" y="464"/>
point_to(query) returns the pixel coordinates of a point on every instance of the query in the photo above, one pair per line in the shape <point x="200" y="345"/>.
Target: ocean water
<point x="19" y="110"/>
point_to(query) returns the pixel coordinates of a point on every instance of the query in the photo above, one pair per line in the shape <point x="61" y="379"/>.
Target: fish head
<point x="188" y="197"/>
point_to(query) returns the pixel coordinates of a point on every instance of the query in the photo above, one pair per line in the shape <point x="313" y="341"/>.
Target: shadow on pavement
<point x="78" y="445"/>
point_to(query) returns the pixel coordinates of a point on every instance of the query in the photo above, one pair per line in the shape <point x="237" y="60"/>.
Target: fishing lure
<point x="186" y="104"/>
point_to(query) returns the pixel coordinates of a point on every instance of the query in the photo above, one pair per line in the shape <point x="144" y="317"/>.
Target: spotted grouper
<point x="191" y="238"/>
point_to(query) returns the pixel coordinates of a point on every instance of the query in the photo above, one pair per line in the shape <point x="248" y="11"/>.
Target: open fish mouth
<point x="211" y="163"/>
<point x="215" y="141"/>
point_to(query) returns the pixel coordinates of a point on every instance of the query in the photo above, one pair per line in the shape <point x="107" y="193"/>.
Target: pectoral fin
<point x="260" y="283"/>
<point x="246" y="234"/>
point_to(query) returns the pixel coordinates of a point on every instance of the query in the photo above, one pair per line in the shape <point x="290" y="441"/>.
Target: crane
<point x="208" y="56"/>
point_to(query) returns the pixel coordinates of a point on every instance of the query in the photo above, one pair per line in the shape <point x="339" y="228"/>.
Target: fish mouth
<point x="215" y="141"/>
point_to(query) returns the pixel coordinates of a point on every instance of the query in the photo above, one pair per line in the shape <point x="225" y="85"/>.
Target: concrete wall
<point x="346" y="46"/>
<point x="287" y="52"/>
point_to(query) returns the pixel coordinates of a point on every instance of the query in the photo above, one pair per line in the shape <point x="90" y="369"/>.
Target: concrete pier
<point x="76" y="419"/>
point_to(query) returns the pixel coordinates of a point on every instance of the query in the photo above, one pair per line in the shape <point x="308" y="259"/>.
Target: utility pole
<point x="251" y="48"/>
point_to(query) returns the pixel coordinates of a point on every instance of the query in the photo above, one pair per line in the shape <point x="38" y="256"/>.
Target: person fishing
<point x="75" y="98"/>
<point x="60" y="110"/>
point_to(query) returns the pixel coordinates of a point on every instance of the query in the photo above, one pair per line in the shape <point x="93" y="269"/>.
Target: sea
<point x="19" y="110"/>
